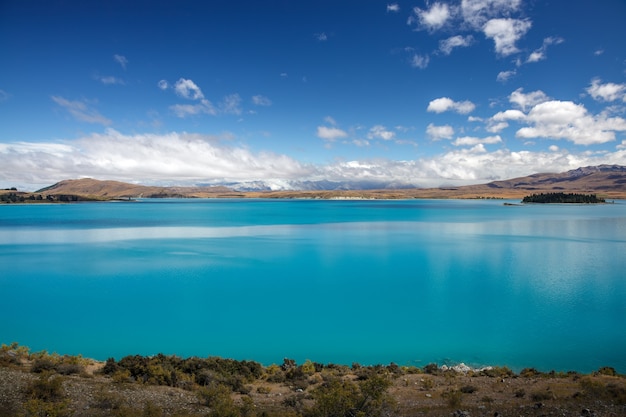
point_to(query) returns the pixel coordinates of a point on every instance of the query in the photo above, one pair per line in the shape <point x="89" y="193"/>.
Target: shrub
<point x="106" y="400"/>
<point x="468" y="389"/>
<point x="431" y="368"/>
<point x="530" y="373"/>
<point x="40" y="408"/>
<point x="69" y="368"/>
<point x="43" y="364"/>
<point x="520" y="393"/>
<point x="453" y="398"/>
<point x="218" y="398"/>
<point x="498" y="372"/>
<point x="46" y="388"/>
<point x="541" y="395"/>
<point x="606" y="370"/>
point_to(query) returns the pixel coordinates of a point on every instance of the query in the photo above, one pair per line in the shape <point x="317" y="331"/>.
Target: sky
<point x="420" y="93"/>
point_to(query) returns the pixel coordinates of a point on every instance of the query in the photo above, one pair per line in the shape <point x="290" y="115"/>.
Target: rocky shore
<point x="38" y="384"/>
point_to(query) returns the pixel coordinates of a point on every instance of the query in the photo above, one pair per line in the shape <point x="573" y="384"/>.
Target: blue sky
<point x="419" y="92"/>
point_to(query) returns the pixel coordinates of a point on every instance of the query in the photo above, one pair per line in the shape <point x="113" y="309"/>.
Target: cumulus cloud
<point x="525" y="101"/>
<point x="321" y="37"/>
<point x="473" y="141"/>
<point x="163" y="85"/>
<point x="185" y="158"/>
<point x="393" y="7"/>
<point x="504" y="76"/>
<point x="607" y="91"/>
<point x="434" y="17"/>
<point x="505" y="32"/>
<point x="477" y="12"/>
<point x="443" y="104"/>
<point x="188" y="89"/>
<point x="420" y="61"/>
<point x="567" y="120"/>
<point x="148" y="158"/>
<point x="447" y="45"/>
<point x="330" y="133"/>
<point x="499" y="121"/>
<point x="439" y="132"/>
<point x="120" y="59"/>
<point x="81" y="110"/>
<point x="380" y="132"/>
<point x="259" y="100"/>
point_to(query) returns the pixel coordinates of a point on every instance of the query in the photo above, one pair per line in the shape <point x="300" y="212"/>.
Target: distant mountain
<point x="115" y="189"/>
<point x="602" y="178"/>
<point x="605" y="180"/>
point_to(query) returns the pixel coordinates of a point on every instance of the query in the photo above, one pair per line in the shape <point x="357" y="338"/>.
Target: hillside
<point x="121" y="190"/>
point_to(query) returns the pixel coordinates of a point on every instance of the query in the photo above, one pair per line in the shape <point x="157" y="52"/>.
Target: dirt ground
<point x="449" y="393"/>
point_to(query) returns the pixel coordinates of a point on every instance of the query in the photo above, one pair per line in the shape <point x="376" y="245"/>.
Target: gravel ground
<point x="92" y="395"/>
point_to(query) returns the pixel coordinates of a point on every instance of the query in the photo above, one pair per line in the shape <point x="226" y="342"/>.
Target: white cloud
<point x="184" y="110"/>
<point x="330" y="133"/>
<point x="163" y="85"/>
<point x="439" y="132"/>
<point x="4" y="95"/>
<point x="505" y="32"/>
<point x="120" y="59"/>
<point x="504" y="76"/>
<point x="553" y="148"/>
<point x="447" y="45"/>
<point x="259" y="100"/>
<point x="393" y="7"/>
<point x="509" y="115"/>
<point x="420" y="61"/>
<point x="607" y="91"/>
<point x="80" y="110"/>
<point x="473" y="141"/>
<point x="525" y="101"/>
<point x="380" y="132"/>
<point x="147" y="158"/>
<point x="188" y="89"/>
<point x="540" y="54"/>
<point x="477" y="12"/>
<point x="567" y="120"/>
<point x="321" y="37"/>
<point x="499" y="121"/>
<point x="433" y="18"/>
<point x="443" y="104"/>
<point x="184" y="158"/>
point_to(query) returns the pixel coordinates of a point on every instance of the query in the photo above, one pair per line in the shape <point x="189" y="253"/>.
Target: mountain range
<point x="608" y="181"/>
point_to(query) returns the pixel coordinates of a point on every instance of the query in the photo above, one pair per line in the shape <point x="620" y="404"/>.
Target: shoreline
<point x="47" y="384"/>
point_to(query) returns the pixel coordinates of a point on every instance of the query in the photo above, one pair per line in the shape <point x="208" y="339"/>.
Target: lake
<point x="410" y="282"/>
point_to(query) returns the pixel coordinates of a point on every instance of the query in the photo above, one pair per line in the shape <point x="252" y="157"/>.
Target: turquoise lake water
<point x="410" y="282"/>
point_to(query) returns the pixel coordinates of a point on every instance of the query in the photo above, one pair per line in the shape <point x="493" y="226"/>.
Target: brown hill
<point x="97" y="189"/>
